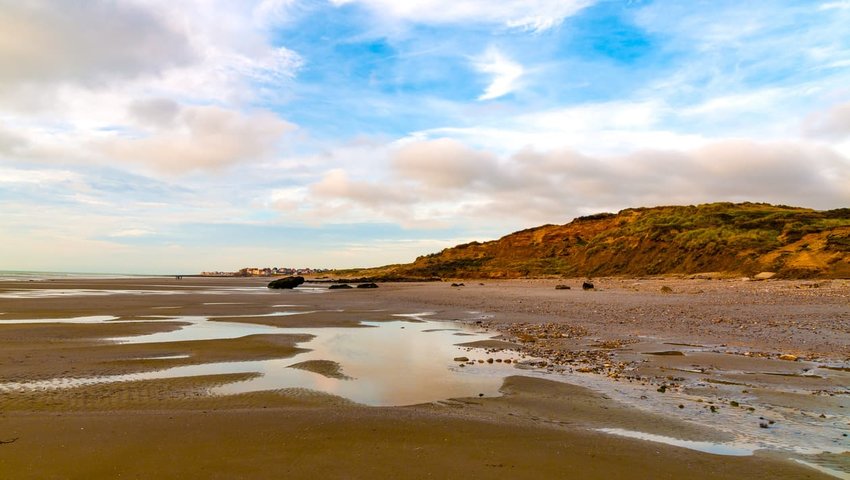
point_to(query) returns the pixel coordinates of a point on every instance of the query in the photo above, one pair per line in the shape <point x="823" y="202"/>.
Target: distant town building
<point x="267" y="272"/>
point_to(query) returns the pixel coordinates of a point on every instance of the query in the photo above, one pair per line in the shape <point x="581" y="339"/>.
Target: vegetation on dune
<point x="734" y="239"/>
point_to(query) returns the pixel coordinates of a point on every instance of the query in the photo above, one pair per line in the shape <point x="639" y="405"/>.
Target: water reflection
<point x="394" y="363"/>
<point x="398" y="362"/>
<point x="732" y="449"/>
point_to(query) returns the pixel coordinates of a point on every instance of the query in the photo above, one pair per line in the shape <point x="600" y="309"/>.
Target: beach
<point x="224" y="378"/>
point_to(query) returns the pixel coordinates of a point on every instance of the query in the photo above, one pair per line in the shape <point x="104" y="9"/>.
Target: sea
<point x="24" y="275"/>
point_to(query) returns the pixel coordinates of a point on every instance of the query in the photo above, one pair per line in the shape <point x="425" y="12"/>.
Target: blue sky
<point x="157" y="137"/>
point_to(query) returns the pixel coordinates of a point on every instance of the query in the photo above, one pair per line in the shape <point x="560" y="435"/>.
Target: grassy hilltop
<point x="734" y="239"/>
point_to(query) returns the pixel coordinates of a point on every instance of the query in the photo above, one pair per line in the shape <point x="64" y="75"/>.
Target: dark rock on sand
<point x="562" y="287"/>
<point x="587" y="286"/>
<point x="340" y="286"/>
<point x="368" y="285"/>
<point x="286" y="282"/>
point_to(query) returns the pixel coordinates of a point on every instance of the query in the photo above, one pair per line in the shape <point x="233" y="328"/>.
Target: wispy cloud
<point x="505" y="73"/>
<point x="841" y="5"/>
<point x="536" y="15"/>
<point x="131" y="233"/>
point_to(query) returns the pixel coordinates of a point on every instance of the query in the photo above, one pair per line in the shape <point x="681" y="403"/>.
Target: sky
<point x="156" y="136"/>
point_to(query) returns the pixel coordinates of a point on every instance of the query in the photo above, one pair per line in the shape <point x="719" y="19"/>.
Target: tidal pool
<point x="732" y="449"/>
<point x="397" y="362"/>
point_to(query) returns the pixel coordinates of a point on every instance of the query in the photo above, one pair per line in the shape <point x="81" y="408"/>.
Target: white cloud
<point x="832" y="124"/>
<point x="444" y="182"/>
<point x="534" y="15"/>
<point x="737" y="103"/>
<point x="37" y="177"/>
<point x="504" y="71"/>
<point x="131" y="233"/>
<point x="841" y="5"/>
<point x="90" y="42"/>
<point x="196" y="138"/>
<point x="442" y="163"/>
<point x="606" y="128"/>
<point x="145" y="85"/>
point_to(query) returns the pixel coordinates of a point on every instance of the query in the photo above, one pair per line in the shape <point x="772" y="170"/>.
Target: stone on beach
<point x="764" y="276"/>
<point x="286" y="282"/>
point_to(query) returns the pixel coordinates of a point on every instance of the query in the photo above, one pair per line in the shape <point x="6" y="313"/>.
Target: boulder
<point x="587" y="286"/>
<point x="340" y="286"/>
<point x="562" y="287"/>
<point x="286" y="282"/>
<point x="368" y="285"/>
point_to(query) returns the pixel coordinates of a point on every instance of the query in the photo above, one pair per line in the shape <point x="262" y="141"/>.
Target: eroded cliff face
<point x="734" y="239"/>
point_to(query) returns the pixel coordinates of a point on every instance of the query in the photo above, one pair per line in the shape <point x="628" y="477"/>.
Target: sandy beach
<point x="636" y="378"/>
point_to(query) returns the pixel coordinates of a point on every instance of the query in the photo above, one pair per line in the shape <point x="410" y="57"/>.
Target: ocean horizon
<point x="11" y="275"/>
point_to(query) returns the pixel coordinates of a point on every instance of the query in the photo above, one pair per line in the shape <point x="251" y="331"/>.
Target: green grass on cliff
<point x="743" y="238"/>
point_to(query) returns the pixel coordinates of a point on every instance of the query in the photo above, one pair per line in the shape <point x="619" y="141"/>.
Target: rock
<point x="286" y="282"/>
<point x="562" y="287"/>
<point x="457" y="285"/>
<point x="368" y="285"/>
<point x="587" y="286"/>
<point x="764" y="276"/>
<point x="461" y="359"/>
<point x="789" y="357"/>
<point x="489" y="360"/>
<point x="706" y="276"/>
<point x="340" y="286"/>
<point x="666" y="289"/>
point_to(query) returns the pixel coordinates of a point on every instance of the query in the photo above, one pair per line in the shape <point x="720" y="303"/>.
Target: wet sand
<point x="730" y="332"/>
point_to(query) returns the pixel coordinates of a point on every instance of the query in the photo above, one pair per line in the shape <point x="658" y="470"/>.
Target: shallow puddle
<point x="842" y="475"/>
<point x="397" y="362"/>
<point x="732" y="449"/>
